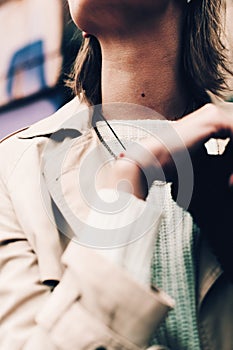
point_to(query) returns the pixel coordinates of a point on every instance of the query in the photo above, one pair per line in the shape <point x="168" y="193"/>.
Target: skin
<point x="130" y="69"/>
<point x="140" y="42"/>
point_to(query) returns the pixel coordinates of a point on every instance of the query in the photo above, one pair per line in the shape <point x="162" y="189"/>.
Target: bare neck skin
<point x="141" y="66"/>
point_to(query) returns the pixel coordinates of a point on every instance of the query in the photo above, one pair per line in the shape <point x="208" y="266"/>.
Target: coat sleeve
<point x="96" y="305"/>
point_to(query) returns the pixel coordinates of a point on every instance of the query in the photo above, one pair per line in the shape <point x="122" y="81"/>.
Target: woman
<point x="140" y="59"/>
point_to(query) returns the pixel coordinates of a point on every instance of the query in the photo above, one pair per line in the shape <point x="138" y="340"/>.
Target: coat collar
<point x="74" y="115"/>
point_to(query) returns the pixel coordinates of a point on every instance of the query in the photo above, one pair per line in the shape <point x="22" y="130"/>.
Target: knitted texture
<point x="173" y="270"/>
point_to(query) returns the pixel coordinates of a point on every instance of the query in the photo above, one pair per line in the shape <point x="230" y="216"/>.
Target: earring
<point x="85" y="35"/>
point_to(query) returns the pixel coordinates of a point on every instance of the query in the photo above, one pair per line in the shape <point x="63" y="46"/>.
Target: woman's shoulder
<point x="47" y="125"/>
<point x="13" y="148"/>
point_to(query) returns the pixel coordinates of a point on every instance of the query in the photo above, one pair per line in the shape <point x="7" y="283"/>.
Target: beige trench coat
<point x="34" y="257"/>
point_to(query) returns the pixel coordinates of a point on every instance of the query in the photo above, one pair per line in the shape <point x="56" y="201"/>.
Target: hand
<point x="123" y="174"/>
<point x="130" y="173"/>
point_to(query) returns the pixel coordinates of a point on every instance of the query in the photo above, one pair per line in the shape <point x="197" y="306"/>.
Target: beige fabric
<point x="75" y="315"/>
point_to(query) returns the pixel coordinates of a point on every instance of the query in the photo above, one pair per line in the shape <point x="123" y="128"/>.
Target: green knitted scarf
<point x="173" y="270"/>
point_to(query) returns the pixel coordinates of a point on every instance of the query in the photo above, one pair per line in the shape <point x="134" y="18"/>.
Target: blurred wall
<point x="36" y="53"/>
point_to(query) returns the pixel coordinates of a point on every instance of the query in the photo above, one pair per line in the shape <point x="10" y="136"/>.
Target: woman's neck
<point x="143" y="67"/>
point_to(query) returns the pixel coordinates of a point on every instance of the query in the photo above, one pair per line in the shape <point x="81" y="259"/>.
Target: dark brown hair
<point x="204" y="57"/>
<point x="205" y="62"/>
<point x="86" y="76"/>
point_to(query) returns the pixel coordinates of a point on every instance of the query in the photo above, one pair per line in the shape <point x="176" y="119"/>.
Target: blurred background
<point x="39" y="43"/>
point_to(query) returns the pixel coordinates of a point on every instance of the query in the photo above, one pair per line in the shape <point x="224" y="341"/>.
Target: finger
<point x="231" y="181"/>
